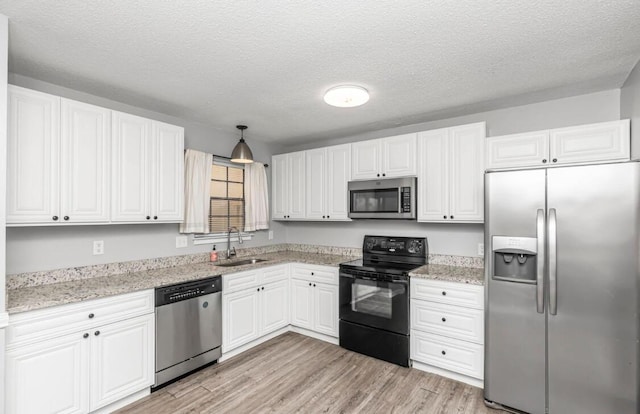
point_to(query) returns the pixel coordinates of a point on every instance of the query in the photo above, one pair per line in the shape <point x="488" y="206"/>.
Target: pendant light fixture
<point x="242" y="153"/>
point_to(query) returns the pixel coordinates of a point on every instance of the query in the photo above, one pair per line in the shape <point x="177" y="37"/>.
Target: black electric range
<point x="374" y="297"/>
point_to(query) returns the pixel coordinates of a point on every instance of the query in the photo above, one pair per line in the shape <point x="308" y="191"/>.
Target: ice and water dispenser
<point x="514" y="259"/>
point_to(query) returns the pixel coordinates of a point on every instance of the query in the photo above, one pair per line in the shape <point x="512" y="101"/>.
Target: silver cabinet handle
<point x="553" y="262"/>
<point x="540" y="261"/>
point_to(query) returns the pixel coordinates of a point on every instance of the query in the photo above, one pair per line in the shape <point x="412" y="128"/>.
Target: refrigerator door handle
<point x="553" y="262"/>
<point x="540" y="260"/>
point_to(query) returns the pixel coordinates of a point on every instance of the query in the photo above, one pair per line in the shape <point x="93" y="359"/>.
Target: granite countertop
<point x="38" y="297"/>
<point x="470" y="275"/>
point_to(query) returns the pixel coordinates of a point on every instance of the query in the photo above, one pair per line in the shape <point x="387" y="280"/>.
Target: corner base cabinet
<point x="93" y="366"/>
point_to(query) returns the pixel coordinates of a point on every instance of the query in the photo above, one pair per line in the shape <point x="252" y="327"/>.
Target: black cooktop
<point x="390" y="255"/>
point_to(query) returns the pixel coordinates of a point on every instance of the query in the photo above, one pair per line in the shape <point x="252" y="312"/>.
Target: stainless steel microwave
<point x="392" y="198"/>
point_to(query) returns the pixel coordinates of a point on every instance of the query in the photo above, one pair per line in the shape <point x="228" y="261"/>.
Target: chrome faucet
<point x="232" y="252"/>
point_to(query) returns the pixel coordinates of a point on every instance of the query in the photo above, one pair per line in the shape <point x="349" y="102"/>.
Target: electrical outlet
<point x="270" y="234"/>
<point x="480" y="249"/>
<point x="181" y="241"/>
<point x="98" y="247"/>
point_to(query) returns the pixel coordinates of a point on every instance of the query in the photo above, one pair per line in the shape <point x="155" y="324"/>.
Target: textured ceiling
<point x="267" y="63"/>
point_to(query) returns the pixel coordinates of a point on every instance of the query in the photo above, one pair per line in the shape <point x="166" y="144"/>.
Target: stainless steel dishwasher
<point x="188" y="327"/>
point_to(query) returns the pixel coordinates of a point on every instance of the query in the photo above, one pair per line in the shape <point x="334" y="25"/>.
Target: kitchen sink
<point x="242" y="262"/>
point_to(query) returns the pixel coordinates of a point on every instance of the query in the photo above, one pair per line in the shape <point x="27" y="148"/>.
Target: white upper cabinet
<point x="385" y="157"/>
<point x="168" y="155"/>
<point x="58" y="160"/>
<point x="74" y="163"/>
<point x="519" y="150"/>
<point x="288" y="184"/>
<point x="607" y="141"/>
<point x="327" y="175"/>
<point x="84" y="162"/>
<point x="451" y="174"/>
<point x="602" y="142"/>
<point x="147" y="170"/>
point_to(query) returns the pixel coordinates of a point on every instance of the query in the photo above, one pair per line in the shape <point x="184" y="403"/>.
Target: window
<point x="227" y="198"/>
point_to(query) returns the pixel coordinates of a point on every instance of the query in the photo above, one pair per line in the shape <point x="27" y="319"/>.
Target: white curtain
<point x="256" y="205"/>
<point x="197" y="179"/>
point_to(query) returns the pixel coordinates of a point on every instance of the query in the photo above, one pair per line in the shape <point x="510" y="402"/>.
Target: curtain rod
<point x="228" y="158"/>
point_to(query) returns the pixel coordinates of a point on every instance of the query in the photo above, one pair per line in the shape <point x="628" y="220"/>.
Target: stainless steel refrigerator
<point x="562" y="281"/>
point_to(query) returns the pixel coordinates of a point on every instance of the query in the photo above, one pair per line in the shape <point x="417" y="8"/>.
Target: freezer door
<point x="593" y="336"/>
<point x="514" y="330"/>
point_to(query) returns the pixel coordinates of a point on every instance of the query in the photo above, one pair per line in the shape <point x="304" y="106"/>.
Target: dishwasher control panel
<point x="188" y="290"/>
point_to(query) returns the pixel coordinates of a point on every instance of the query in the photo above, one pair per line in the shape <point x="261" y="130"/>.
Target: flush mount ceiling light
<point x="346" y="96"/>
<point x="242" y="153"/>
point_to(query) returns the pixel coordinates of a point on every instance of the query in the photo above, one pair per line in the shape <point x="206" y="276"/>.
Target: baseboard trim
<point x="448" y="374"/>
<point x="288" y="328"/>
<point x="123" y="402"/>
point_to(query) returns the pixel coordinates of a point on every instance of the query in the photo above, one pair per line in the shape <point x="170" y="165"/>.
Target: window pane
<point x="236" y="208"/>
<point x="218" y="172"/>
<point x="219" y="189"/>
<point x="236" y="174"/>
<point x="219" y="207"/>
<point x="218" y="224"/>
<point x="237" y="222"/>
<point x="236" y="190"/>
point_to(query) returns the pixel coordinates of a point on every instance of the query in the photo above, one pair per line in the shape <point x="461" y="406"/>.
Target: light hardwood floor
<point x="295" y="373"/>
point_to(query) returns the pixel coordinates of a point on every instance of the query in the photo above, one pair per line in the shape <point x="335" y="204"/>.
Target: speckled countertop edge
<point x="469" y="275"/>
<point x="43" y="296"/>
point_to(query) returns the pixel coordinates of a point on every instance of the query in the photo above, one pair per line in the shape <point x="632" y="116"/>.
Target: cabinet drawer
<point x="315" y="273"/>
<point x="234" y="282"/>
<point x="60" y="320"/>
<point x="454" y="355"/>
<point x="275" y="273"/>
<point x="451" y="321"/>
<point x="450" y="293"/>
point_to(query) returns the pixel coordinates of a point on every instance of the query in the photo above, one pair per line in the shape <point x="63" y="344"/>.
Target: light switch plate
<point x="98" y="247"/>
<point x="480" y="249"/>
<point x="270" y="234"/>
<point x="181" y="241"/>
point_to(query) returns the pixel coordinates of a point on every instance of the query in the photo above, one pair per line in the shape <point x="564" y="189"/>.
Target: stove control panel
<point x="395" y="246"/>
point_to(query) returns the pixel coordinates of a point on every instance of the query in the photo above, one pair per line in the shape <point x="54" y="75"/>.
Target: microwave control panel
<point x="405" y="201"/>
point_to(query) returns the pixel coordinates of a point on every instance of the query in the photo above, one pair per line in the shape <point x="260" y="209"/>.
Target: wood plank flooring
<point x="294" y="373"/>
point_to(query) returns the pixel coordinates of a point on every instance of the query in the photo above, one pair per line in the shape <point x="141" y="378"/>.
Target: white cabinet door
<point x="519" y="150"/>
<point x="326" y="309"/>
<point x="399" y="156"/>
<point x="316" y="183"/>
<point x="466" y="180"/>
<point x="606" y="141"/>
<point x="302" y="303"/>
<point x="130" y="175"/>
<point x="433" y="176"/>
<point x="168" y="172"/>
<point x="338" y="176"/>
<point x="241" y="321"/>
<point x="85" y="149"/>
<point x="280" y="187"/>
<point x="275" y="306"/>
<point x="32" y="157"/>
<point x="297" y="195"/>
<point x="366" y="160"/>
<point x="122" y="359"/>
<point x="51" y="376"/>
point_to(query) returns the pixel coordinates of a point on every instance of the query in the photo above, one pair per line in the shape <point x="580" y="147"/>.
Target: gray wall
<point x="45" y="248"/>
<point x="630" y="108"/>
<point x="458" y="239"/>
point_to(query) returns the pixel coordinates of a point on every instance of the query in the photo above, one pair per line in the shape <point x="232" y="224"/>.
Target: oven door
<point x="374" y="303"/>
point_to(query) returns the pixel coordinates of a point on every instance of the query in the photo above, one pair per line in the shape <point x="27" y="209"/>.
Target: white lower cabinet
<point x="447" y="328"/>
<point x="314" y="298"/>
<point x="258" y="309"/>
<point x="83" y="371"/>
